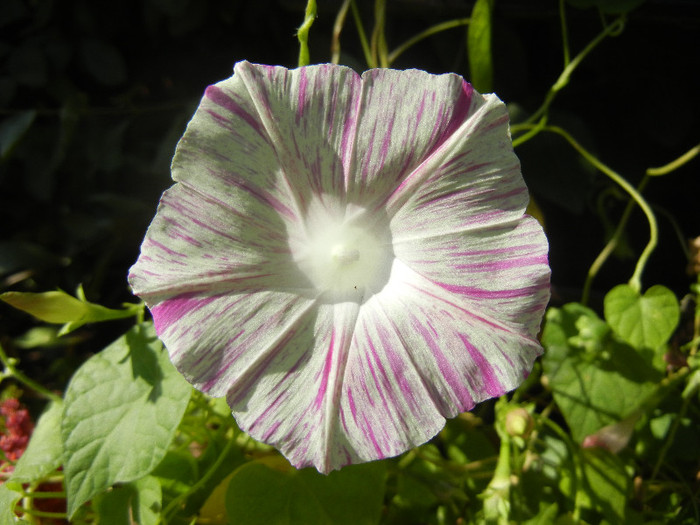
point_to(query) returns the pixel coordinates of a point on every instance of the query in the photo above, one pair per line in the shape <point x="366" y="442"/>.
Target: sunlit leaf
<point x="60" y="307"/>
<point x="122" y="409"/>
<point x="479" y="46"/>
<point x="644" y="321"/>
<point x="595" y="379"/>
<point x="147" y="500"/>
<point x="44" y="453"/>
<point x="52" y="307"/>
<point x="8" y="499"/>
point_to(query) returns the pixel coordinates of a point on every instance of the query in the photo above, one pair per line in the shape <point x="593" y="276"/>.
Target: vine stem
<point x="12" y="371"/>
<point x="564" y="33"/>
<point x="635" y="281"/>
<point x="425" y="34"/>
<point x="611" y="244"/>
<point x="303" y="33"/>
<point x="563" y="79"/>
<point x="194" y="488"/>
<point x="379" y="48"/>
<point x="674" y="165"/>
<point x="337" y="29"/>
<point x="362" y="35"/>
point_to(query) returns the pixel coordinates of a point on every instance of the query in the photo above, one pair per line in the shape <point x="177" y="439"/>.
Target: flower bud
<point x="519" y="423"/>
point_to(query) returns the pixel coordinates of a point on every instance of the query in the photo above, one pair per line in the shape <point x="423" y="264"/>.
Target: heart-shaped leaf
<point x="643" y="321"/>
<point x="121" y="411"/>
<point x="596" y="380"/>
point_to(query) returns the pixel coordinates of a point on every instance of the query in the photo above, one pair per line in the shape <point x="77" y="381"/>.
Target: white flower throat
<point x="345" y="257"/>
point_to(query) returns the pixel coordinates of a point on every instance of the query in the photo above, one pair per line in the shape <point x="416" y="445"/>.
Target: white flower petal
<point x="501" y="271"/>
<point x="293" y="127"/>
<point x="404" y="117"/>
<point x="293" y="403"/>
<point x="472" y="181"/>
<point x="346" y="258"/>
<point x="196" y="244"/>
<point x="219" y="342"/>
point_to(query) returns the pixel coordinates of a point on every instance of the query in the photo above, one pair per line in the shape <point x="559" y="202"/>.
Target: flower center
<point x="345" y="258"/>
<point x="343" y="255"/>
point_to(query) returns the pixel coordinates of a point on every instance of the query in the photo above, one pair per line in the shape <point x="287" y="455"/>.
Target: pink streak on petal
<point x="478" y="293"/>
<point x="172" y="310"/>
<point x="452" y="378"/>
<point x="326" y="373"/>
<point x="220" y="98"/>
<point x="367" y="428"/>
<point x="351" y="403"/>
<point x="493" y="387"/>
<point x="494" y="265"/>
<point x="164" y="248"/>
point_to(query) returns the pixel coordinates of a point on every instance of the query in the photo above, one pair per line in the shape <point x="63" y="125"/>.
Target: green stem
<point x="44" y="495"/>
<point x="563" y="79"/>
<point x="379" y="48"/>
<point x="696" y="321"/>
<point x="635" y="280"/>
<point x="532" y="131"/>
<point x="303" y="33"/>
<point x="12" y="371"/>
<point x="497" y="493"/>
<point x="611" y="245"/>
<point x="564" y="33"/>
<point x="202" y="481"/>
<point x="674" y="165"/>
<point x="46" y="514"/>
<point x="337" y="29"/>
<point x="362" y="35"/>
<point x="425" y="34"/>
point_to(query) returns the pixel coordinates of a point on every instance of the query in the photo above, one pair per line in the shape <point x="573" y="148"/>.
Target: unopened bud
<point x="519" y="423"/>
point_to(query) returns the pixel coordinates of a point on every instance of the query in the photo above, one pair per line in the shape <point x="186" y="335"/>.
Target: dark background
<point x="94" y="96"/>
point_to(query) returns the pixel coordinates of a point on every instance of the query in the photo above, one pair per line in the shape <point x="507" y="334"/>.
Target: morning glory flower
<point x="346" y="258"/>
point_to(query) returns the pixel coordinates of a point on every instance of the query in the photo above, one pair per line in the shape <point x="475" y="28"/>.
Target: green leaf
<point x="479" y="46"/>
<point x="122" y="408"/>
<point x="258" y="494"/>
<point x="148" y="501"/>
<point x="137" y="502"/>
<point x="59" y="307"/>
<point x="646" y="321"/>
<point x="546" y="516"/>
<point x="12" y="129"/>
<point x="44" y="453"/>
<point x="595" y="379"/>
<point x="8" y="500"/>
<point x="52" y="307"/>
<point x="176" y="473"/>
<point x="114" y="507"/>
<point x="606" y="484"/>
